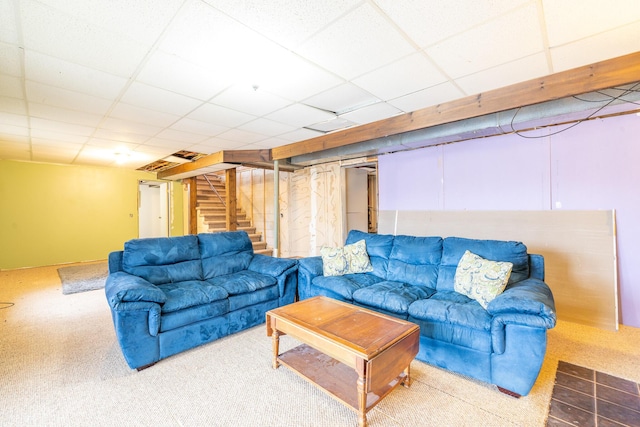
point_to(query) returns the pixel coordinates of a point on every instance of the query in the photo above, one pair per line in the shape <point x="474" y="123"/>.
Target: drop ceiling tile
<point x="358" y="43"/>
<point x="128" y="126"/>
<point x="13" y="106"/>
<point x="505" y="39"/>
<point x="402" y="77"/>
<point x="15" y="150"/>
<point x="239" y="135"/>
<point x="343" y="98"/>
<point x="198" y="127"/>
<point x="43" y="153"/>
<point x="428" y="22"/>
<point x="288" y="22"/>
<point x="428" y="97"/>
<point x="96" y="156"/>
<point x="609" y="44"/>
<point x="10" y="60"/>
<point x="300" y="135"/>
<point x="63" y="74"/>
<point x="174" y="74"/>
<point x="292" y="77"/>
<point x="166" y="143"/>
<point x="219" y="115"/>
<point x="10" y="132"/>
<point x="132" y="113"/>
<point x="44" y="137"/>
<point x="52" y="125"/>
<point x="298" y="115"/>
<point x="142" y="20"/>
<point x="250" y="100"/>
<point x="504" y="75"/>
<point x="181" y="137"/>
<point x="205" y="36"/>
<point x="49" y="95"/>
<point x="266" y="127"/>
<point x="63" y="116"/>
<point x="13" y="119"/>
<point x="8" y="26"/>
<point x="121" y="136"/>
<point x="46" y="29"/>
<point x="372" y="113"/>
<point x="571" y="20"/>
<point x="213" y="145"/>
<point x="156" y="99"/>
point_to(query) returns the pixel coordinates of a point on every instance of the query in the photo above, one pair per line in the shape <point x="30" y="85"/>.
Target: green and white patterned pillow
<point x="349" y="259"/>
<point x="481" y="279"/>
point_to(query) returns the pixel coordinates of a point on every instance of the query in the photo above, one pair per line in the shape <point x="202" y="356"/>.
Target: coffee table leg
<point x="361" y="368"/>
<point x="406" y="382"/>
<point x="276" y="347"/>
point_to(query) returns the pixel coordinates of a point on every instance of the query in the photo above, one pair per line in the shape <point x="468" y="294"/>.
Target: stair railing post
<point x="276" y="208"/>
<point x="231" y="212"/>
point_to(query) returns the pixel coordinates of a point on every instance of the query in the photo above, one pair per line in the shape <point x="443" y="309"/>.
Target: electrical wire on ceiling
<point x="609" y="101"/>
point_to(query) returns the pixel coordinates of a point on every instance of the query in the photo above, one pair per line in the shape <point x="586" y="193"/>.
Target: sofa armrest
<point x="269" y="265"/>
<point x="308" y="269"/>
<point x="115" y="261"/>
<point x="312" y="265"/>
<point x="124" y="287"/>
<point x="524" y="301"/>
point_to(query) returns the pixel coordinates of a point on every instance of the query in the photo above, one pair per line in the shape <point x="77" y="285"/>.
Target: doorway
<point x="153" y="209"/>
<point x="362" y="197"/>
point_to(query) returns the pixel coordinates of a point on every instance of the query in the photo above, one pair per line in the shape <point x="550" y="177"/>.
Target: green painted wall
<point x="54" y="214"/>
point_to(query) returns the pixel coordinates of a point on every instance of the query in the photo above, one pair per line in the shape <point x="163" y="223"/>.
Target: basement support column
<point x="231" y="196"/>
<point x="276" y="208"/>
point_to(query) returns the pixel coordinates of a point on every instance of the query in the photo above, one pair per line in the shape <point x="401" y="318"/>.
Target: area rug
<point x="82" y="278"/>
<point x="583" y="396"/>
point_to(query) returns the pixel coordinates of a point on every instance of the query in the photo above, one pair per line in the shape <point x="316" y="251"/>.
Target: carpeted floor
<point x="61" y="366"/>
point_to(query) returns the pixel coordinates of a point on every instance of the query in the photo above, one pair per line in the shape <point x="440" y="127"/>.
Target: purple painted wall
<point x="595" y="165"/>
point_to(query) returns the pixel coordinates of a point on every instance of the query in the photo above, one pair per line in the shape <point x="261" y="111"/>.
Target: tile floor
<point x="584" y="397"/>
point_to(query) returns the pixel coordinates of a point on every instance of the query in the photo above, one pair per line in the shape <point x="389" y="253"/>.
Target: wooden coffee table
<point x="356" y="355"/>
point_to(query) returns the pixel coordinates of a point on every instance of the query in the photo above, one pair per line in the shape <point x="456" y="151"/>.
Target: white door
<point x="153" y="209"/>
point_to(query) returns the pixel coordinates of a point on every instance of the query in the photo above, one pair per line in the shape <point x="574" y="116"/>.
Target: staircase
<point x="212" y="213"/>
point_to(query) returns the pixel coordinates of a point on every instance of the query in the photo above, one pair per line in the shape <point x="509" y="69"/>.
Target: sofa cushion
<point x="481" y="279"/>
<point x="454" y="318"/>
<point x="164" y="259"/>
<point x="243" y="282"/>
<point x="190" y="293"/>
<point x="378" y="247"/>
<point x="496" y="250"/>
<point x="415" y="260"/>
<point x="394" y="297"/>
<point x="187" y="316"/>
<point x="344" y="286"/>
<point x="349" y="259"/>
<point x="224" y="253"/>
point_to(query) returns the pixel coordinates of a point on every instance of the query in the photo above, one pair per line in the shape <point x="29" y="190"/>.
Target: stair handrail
<point x="214" y="190"/>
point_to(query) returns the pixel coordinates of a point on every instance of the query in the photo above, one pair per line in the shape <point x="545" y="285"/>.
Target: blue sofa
<point x="413" y="279"/>
<point x="168" y="295"/>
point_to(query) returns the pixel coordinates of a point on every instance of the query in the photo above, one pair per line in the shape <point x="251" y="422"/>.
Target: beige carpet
<point x="60" y="366"/>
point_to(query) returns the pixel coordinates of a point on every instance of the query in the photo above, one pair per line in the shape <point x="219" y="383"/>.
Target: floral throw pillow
<point x="349" y="259"/>
<point x="481" y="279"/>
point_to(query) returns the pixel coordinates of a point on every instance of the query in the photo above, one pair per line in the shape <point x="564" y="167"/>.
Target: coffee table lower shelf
<point x="332" y="376"/>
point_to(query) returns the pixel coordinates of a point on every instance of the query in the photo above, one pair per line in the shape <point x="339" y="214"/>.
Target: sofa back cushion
<point x="378" y="247"/>
<point x="163" y="259"/>
<point x="225" y="253"/>
<point x="415" y="260"/>
<point x="495" y="250"/>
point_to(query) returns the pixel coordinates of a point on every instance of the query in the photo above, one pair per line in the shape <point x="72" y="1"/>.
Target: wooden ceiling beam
<point x="228" y="156"/>
<point x="600" y="75"/>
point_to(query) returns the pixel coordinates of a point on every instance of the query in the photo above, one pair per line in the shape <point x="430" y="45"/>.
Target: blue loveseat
<point x="171" y="294"/>
<point x="413" y="279"/>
